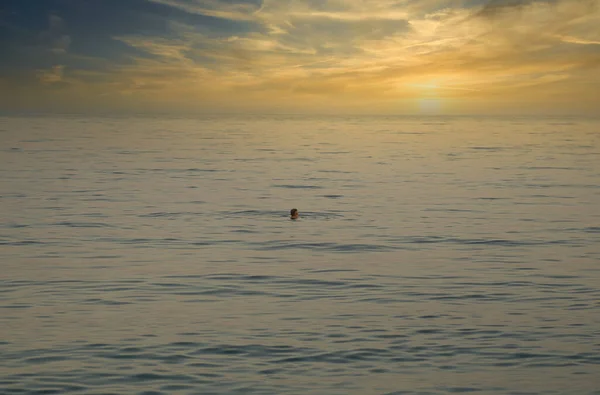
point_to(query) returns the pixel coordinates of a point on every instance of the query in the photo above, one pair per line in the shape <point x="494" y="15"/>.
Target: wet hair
<point x="293" y="211"/>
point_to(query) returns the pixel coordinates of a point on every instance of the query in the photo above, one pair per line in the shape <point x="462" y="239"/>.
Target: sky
<point x="301" y="56"/>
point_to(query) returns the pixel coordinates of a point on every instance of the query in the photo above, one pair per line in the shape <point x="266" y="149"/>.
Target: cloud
<point x="577" y="40"/>
<point x="51" y="76"/>
<point x="495" y="8"/>
<point x="55" y="39"/>
<point x="233" y="10"/>
<point x="332" y="52"/>
<point x="354" y="50"/>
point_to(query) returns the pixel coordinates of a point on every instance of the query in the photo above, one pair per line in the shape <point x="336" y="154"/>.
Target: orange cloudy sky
<point x="306" y="56"/>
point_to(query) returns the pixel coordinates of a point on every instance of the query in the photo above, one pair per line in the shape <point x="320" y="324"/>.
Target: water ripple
<point x="156" y="256"/>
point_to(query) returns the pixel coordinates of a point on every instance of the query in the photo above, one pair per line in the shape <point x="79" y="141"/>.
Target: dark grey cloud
<point x="496" y="7"/>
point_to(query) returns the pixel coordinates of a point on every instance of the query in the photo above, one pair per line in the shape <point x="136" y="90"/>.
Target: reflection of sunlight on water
<point x="430" y="105"/>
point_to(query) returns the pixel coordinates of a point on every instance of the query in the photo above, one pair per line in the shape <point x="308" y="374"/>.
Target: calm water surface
<point x="432" y="256"/>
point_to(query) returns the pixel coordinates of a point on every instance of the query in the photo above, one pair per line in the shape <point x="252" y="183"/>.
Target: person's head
<point x="294" y="213"/>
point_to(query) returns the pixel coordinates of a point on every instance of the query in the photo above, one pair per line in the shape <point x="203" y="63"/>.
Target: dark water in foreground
<point x="433" y="256"/>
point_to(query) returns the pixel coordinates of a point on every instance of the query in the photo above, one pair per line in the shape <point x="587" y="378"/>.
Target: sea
<point x="155" y="255"/>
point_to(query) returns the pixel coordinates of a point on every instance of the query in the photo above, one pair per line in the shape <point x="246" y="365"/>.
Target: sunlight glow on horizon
<point x="430" y="105"/>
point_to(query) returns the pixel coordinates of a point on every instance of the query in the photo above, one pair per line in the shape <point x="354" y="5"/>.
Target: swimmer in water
<point x="294" y="214"/>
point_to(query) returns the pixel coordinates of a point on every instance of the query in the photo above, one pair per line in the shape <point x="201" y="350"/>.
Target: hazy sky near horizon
<point x="338" y="56"/>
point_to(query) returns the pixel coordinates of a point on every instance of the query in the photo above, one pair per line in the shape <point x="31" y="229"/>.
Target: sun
<point x="427" y="97"/>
